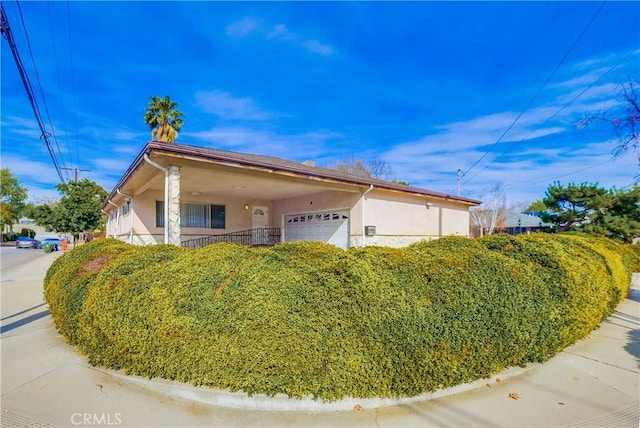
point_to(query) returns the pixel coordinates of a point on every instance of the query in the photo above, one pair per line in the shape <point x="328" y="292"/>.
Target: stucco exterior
<point x="209" y="179"/>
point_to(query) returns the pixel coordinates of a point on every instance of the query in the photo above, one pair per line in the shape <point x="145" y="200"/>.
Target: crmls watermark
<point x="96" y="419"/>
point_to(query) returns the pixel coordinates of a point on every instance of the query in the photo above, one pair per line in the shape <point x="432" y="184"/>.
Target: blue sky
<point x="429" y="87"/>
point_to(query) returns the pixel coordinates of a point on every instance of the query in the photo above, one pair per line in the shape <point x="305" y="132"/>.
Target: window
<point x="195" y="215"/>
<point x="125" y="208"/>
<point x="159" y="213"/>
<point x="217" y="217"/>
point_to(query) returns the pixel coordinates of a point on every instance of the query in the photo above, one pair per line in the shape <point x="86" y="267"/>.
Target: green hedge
<point x="310" y="319"/>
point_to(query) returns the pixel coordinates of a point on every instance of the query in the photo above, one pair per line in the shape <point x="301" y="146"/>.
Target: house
<point x="516" y="223"/>
<point x="192" y="196"/>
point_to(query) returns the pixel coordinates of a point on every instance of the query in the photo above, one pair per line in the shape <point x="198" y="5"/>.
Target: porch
<point x="260" y="237"/>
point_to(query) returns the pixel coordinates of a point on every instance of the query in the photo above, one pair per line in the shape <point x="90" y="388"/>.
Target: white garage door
<point x="331" y="227"/>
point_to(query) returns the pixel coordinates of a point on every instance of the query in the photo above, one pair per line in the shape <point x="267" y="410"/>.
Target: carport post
<point x="166" y="195"/>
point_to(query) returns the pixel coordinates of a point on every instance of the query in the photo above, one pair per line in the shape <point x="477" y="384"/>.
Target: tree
<point x="356" y="167"/>
<point x="77" y="211"/>
<point x="373" y="168"/>
<point x="573" y="205"/>
<point x="624" y="118"/>
<point x="536" y="206"/>
<point x="491" y="214"/>
<point x="594" y="210"/>
<point x="380" y="169"/>
<point x="12" y="197"/>
<point x="163" y="119"/>
<point x="620" y="219"/>
<point x="42" y="215"/>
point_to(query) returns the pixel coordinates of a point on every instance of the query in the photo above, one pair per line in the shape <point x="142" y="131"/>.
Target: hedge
<point x="309" y="319"/>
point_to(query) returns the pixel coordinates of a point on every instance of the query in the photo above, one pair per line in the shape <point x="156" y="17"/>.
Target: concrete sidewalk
<point x="45" y="382"/>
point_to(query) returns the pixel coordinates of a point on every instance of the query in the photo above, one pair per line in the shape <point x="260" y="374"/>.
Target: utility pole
<point x="75" y="172"/>
<point x="458" y="176"/>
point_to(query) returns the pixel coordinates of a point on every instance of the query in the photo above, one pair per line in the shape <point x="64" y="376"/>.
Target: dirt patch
<point x="94" y="265"/>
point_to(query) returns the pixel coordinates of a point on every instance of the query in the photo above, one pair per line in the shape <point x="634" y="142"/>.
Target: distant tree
<point x="403" y="182"/>
<point x="490" y="216"/>
<point x="536" y="206"/>
<point x="373" y="168"/>
<point x="12" y="197"/>
<point x="43" y="215"/>
<point x="163" y="119"/>
<point x="355" y="167"/>
<point x="620" y="218"/>
<point x="573" y="205"/>
<point x="380" y="169"/>
<point x="77" y="211"/>
<point x="624" y="118"/>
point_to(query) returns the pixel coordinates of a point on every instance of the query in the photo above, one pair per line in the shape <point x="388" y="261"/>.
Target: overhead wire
<point x="57" y="64"/>
<point x="73" y="87"/>
<point x="35" y="69"/>
<point x="565" y="56"/>
<point x="44" y="135"/>
<point x="616" y="65"/>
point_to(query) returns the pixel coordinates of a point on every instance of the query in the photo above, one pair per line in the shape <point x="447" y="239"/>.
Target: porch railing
<point x="263" y="237"/>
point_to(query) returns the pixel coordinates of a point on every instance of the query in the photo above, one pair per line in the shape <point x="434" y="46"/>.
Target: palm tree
<point x="163" y="119"/>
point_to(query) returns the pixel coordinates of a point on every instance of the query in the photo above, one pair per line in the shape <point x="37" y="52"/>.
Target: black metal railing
<point x="262" y="237"/>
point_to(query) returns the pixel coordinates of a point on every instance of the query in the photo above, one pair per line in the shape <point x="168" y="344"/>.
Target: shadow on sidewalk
<point x="633" y="345"/>
<point x="23" y="312"/>
<point x="23" y="321"/>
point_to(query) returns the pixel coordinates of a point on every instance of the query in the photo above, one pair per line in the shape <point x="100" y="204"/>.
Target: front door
<point x="259" y="224"/>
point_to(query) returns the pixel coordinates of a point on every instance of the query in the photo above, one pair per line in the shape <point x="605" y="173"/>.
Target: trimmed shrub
<point x="309" y="319"/>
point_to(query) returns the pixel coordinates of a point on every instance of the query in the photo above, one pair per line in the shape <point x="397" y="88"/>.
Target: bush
<point x="308" y="318"/>
<point x="9" y="236"/>
<point x="29" y="233"/>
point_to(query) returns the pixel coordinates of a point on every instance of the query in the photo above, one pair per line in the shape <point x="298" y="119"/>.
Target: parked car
<point x="26" y="242"/>
<point x="53" y="241"/>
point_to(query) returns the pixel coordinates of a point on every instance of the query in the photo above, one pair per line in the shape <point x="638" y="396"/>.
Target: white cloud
<point x="130" y="136"/>
<point x="38" y="194"/>
<point x="317" y="47"/>
<point x="224" y="105"/>
<point x="311" y="145"/>
<point x="127" y="150"/>
<point x="243" y="27"/>
<point x="280" y="32"/>
<point x="29" y="170"/>
<point x="111" y="165"/>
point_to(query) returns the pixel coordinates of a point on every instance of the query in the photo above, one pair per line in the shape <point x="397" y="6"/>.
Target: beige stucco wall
<point x="399" y="219"/>
<point x="144" y="218"/>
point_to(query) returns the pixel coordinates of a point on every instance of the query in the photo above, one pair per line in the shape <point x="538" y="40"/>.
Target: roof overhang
<point x="243" y="175"/>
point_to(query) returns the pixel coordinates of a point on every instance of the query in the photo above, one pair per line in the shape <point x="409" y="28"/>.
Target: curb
<point x="282" y="403"/>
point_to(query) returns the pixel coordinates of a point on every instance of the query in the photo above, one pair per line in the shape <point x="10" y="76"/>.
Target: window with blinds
<point x="195" y="215"/>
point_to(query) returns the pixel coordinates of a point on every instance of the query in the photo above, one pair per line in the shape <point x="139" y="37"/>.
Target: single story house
<point x="191" y="196"/>
<point x="517" y="223"/>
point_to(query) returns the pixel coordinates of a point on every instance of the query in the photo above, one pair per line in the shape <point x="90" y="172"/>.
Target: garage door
<point x="331" y="227"/>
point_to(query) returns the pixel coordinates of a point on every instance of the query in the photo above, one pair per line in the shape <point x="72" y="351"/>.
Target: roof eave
<point x="302" y="170"/>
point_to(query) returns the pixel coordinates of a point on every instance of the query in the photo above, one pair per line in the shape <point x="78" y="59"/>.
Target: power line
<point x="623" y="59"/>
<point x="55" y="58"/>
<point x="44" y="135"/>
<point x="73" y="87"/>
<point x="566" y="55"/>
<point x="35" y="69"/>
